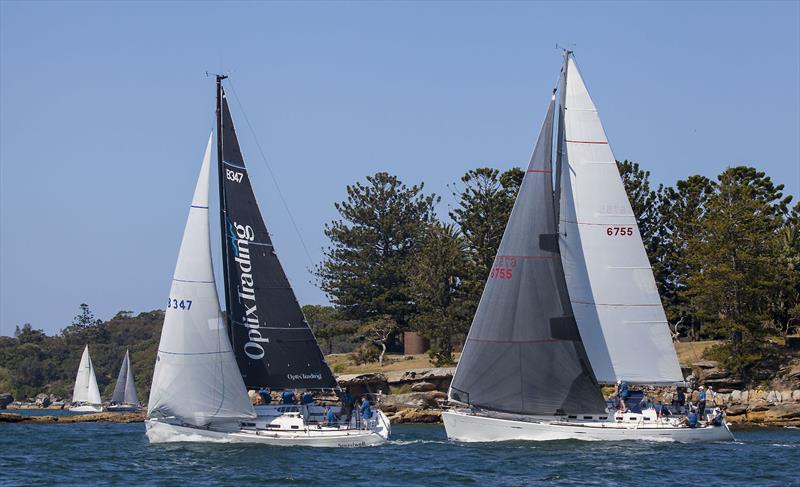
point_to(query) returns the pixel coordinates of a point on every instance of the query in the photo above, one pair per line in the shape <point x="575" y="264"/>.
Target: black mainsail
<point x="271" y="339"/>
<point x="523" y="353"/>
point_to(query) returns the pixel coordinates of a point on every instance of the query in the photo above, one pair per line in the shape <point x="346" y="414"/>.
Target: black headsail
<point x="273" y="343"/>
<point x="523" y="353"/>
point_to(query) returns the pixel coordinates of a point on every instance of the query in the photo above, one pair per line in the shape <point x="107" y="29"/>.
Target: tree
<point x="327" y="325"/>
<point x="436" y="280"/>
<point x="484" y="204"/>
<point x="381" y="223"/>
<point x="378" y="330"/>
<point x="733" y="263"/>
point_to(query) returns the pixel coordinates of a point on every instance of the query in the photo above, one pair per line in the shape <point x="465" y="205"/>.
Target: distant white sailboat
<point x="570" y="303"/>
<point x="208" y="359"/>
<point x="86" y="394"/>
<point x="124" y="397"/>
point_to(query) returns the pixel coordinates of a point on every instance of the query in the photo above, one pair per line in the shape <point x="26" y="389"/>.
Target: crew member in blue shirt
<point x="265" y="396"/>
<point x="308" y="398"/>
<point x="347" y="404"/>
<point x="330" y="417"/>
<point x="719" y="417"/>
<point x="701" y="402"/>
<point x="366" y="412"/>
<point x="288" y="397"/>
<point x="623" y="393"/>
<point x="691" y="418"/>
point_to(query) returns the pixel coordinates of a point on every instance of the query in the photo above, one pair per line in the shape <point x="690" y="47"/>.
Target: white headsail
<point x="611" y="285"/>
<point x="196" y="377"/>
<point x="86" y="389"/>
<point x="125" y="390"/>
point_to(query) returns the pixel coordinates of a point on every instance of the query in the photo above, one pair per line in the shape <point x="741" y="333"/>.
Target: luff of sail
<point x="273" y="343"/>
<point x="523" y="353"/>
<point x="610" y="281"/>
<point x="125" y="389"/>
<point x="86" y="390"/>
<point x="195" y="377"/>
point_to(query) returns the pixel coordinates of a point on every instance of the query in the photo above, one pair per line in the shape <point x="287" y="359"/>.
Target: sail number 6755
<point x="619" y="231"/>
<point x="182" y="304"/>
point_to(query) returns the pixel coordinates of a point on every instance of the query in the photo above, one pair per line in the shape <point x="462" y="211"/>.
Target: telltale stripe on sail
<point x="188" y="280"/>
<point x="234" y="165"/>
<point x="201" y="207"/>
<point x="600" y="224"/>
<point x="601" y="142"/>
<point x="540" y="171"/>
<point x="588" y="303"/>
<point x="526" y="257"/>
<point x="482" y="340"/>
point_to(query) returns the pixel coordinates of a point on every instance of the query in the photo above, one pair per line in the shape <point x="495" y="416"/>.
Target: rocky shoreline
<point x="419" y="396"/>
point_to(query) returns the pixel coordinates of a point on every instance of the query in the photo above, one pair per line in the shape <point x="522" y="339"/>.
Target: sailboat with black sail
<point x="208" y="359"/>
<point x="570" y="303"/>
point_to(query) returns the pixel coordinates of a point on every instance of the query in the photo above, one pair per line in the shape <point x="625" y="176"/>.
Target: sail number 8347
<point x="182" y="304"/>
<point x="234" y="176"/>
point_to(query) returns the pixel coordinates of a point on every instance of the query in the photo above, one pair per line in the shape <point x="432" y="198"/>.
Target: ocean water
<point x="104" y="453"/>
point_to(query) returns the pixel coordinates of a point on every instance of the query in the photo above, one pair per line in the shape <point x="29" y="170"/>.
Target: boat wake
<point x="163" y="435"/>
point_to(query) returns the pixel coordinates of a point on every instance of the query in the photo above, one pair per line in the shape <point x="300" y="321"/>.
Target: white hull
<point x="122" y="408"/>
<point x="87" y="408"/>
<point x="165" y="430"/>
<point x="468" y="427"/>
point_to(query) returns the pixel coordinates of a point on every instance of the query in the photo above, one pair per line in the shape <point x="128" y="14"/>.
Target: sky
<point x="105" y="109"/>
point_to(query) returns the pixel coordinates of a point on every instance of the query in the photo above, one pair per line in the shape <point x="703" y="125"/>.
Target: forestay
<point x="125" y="389"/>
<point x="523" y="353"/>
<point x="195" y="377"/>
<point x="610" y="282"/>
<point x="273" y="343"/>
<point x="86" y="390"/>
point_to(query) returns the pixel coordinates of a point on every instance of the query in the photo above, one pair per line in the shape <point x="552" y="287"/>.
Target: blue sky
<point x="105" y="110"/>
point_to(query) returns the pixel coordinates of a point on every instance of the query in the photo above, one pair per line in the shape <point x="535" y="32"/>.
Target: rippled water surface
<point x="100" y="453"/>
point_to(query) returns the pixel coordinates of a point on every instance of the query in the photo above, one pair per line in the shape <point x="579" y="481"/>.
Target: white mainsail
<point x="86" y="390"/>
<point x="196" y="377"/>
<point x="610" y="281"/>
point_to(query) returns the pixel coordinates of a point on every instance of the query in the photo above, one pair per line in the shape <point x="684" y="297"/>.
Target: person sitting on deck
<point x="287" y="397"/>
<point x="307" y="398"/>
<point x="330" y="417"/>
<point x="719" y="418"/>
<point x="366" y="412"/>
<point x="265" y="395"/>
<point x="623" y="393"/>
<point x="691" y="418"/>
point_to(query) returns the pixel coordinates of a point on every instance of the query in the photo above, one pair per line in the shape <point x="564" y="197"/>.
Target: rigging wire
<point x="272" y="174"/>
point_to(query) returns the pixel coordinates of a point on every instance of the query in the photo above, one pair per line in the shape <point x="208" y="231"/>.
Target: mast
<point x="220" y="182"/>
<point x="560" y="140"/>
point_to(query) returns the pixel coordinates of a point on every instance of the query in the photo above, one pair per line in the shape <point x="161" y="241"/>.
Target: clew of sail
<point x="195" y="377"/>
<point x="273" y="343"/>
<point x="523" y="353"/>
<point x="125" y="389"/>
<point x="611" y="285"/>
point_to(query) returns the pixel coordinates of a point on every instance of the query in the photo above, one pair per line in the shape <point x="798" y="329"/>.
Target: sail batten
<point x="523" y="353"/>
<point x="599" y="238"/>
<point x="272" y="341"/>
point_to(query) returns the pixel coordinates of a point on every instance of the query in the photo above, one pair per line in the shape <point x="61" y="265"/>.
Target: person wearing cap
<point x="691" y="417"/>
<point x="701" y="402"/>
<point x="623" y="393"/>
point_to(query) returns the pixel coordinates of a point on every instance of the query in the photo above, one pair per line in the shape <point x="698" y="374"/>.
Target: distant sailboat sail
<point x="524" y="353"/>
<point x="273" y="343"/>
<point x="195" y="377"/>
<point x="86" y="390"/>
<point x="125" y="390"/>
<point x="611" y="285"/>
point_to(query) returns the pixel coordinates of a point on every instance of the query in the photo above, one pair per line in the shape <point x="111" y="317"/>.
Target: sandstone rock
<point x="705" y="364"/>
<point x="773" y="397"/>
<point x="756" y="407"/>
<point x="6" y="399"/>
<point x="413" y="400"/>
<point x="42" y="400"/>
<point x="364" y="383"/>
<point x="784" y="411"/>
<point x="786" y="396"/>
<point x="736" y="397"/>
<point x="423" y="387"/>
<point x="745" y="396"/>
<point x="412" y="415"/>
<point x="736" y="410"/>
<point x="796" y="395"/>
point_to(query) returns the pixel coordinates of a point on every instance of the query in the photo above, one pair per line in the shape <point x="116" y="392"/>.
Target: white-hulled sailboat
<point x="86" y="394"/>
<point x="570" y="303"/>
<point x="207" y="360"/>
<point x="124" y="397"/>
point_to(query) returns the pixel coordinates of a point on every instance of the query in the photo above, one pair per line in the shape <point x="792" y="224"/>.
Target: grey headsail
<point x="125" y="390"/>
<point x="273" y="344"/>
<point x="523" y="353"/>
